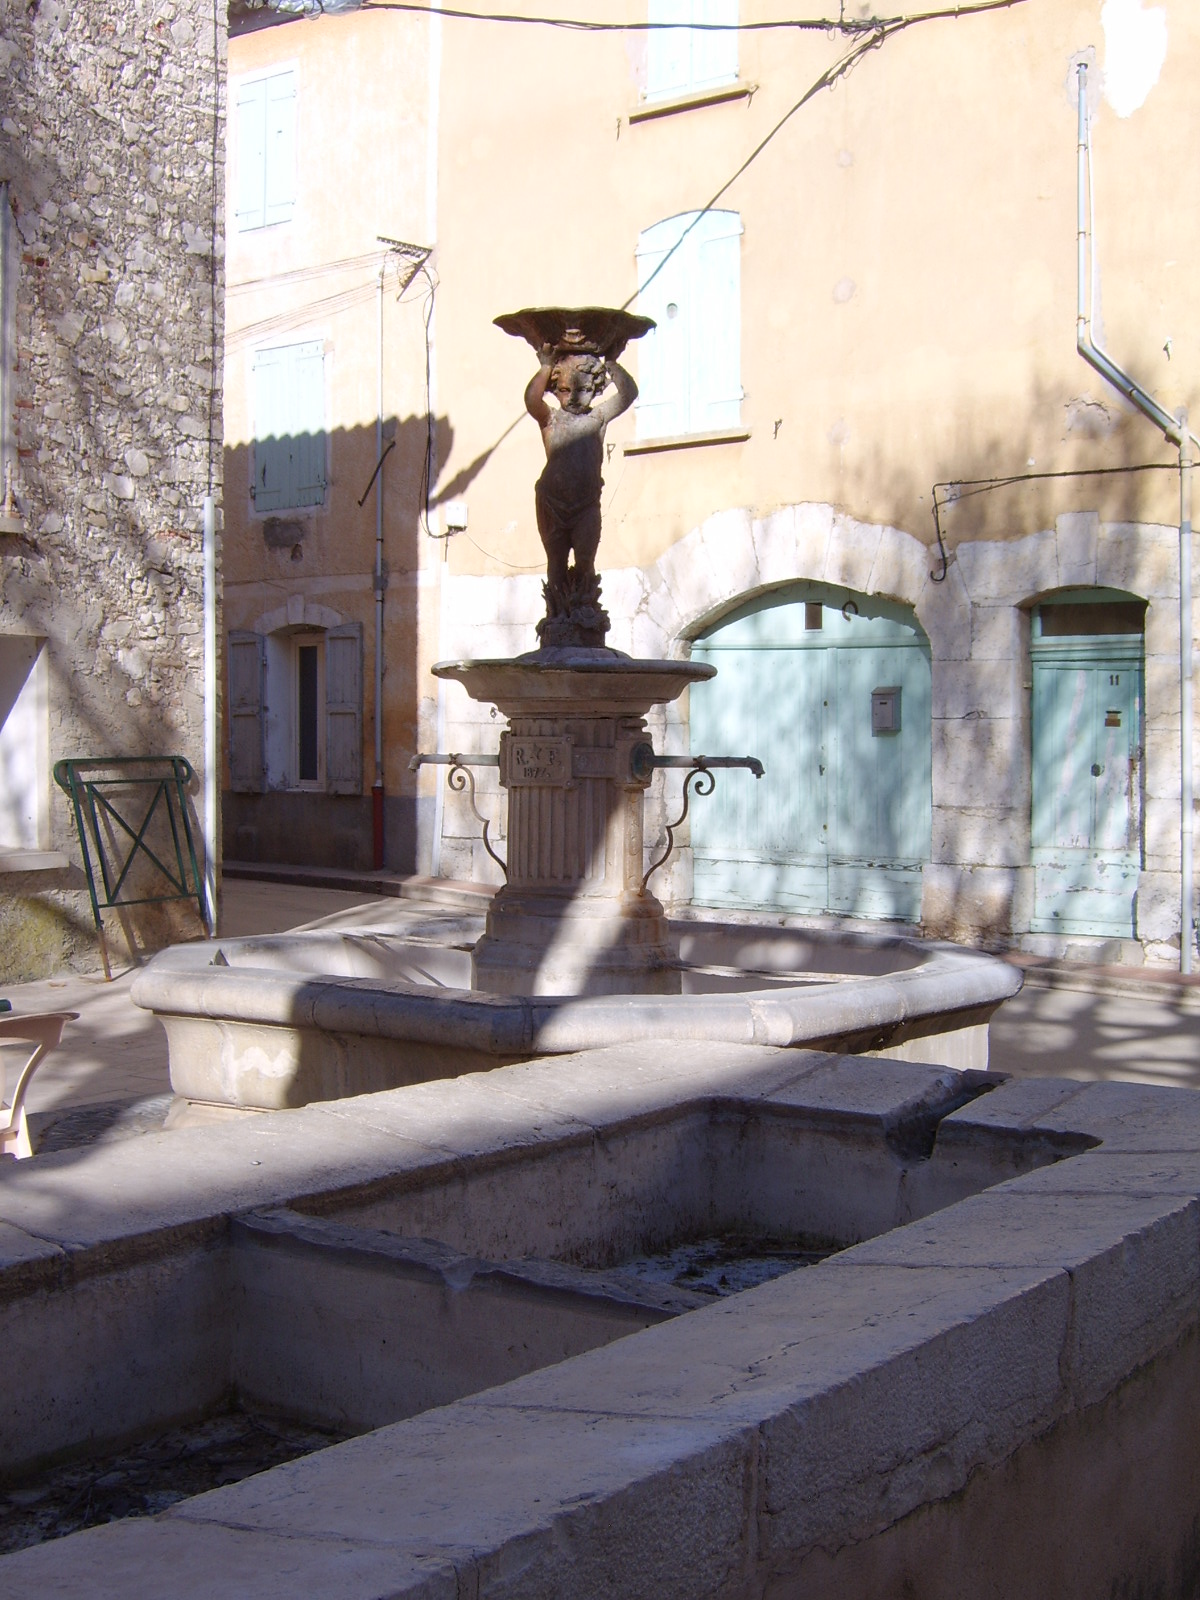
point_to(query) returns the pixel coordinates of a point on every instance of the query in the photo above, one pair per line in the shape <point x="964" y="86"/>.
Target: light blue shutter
<point x="668" y="49"/>
<point x="343" y="709"/>
<point x="307" y="394"/>
<point x="252" y="155"/>
<point x="714" y="55"/>
<point x="272" y="447"/>
<point x="280" y="124"/>
<point x="289" y="427"/>
<point x="247" y="769"/>
<point x="663" y="354"/>
<point x="715" y="337"/>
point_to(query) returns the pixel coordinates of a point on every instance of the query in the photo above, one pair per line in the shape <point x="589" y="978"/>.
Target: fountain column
<point x="573" y="917"/>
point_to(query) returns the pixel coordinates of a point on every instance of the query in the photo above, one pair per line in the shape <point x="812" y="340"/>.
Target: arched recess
<point x="1087" y="648"/>
<point x="831" y="690"/>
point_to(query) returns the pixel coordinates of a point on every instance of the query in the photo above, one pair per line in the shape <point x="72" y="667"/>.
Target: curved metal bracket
<point x="460" y="777"/>
<point x="699" y="771"/>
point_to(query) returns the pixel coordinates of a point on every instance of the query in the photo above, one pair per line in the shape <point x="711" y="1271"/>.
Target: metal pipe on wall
<point x="1187" y="927"/>
<point x="377" y="787"/>
<point x="210" y="713"/>
<point x="1177" y="433"/>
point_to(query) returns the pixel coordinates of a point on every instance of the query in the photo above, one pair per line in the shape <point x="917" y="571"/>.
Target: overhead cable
<point x="967" y="488"/>
<point x="838" y="24"/>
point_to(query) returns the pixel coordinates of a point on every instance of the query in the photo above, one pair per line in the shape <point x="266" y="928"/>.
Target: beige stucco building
<point x="882" y="301"/>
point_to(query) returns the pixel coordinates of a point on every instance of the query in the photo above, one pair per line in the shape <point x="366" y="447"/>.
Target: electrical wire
<point x="977" y="486"/>
<point x="300" y="274"/>
<point x="428" y="464"/>
<point x="838" y="24"/>
<point x="491" y="555"/>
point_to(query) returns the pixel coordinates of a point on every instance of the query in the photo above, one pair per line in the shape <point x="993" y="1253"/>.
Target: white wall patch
<point x="1135" y="47"/>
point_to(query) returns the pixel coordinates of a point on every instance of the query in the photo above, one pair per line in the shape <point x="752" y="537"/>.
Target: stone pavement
<point x="108" y="1080"/>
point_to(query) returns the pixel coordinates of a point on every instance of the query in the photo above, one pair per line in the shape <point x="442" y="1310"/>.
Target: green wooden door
<point x="1086" y="832"/>
<point x="842" y="820"/>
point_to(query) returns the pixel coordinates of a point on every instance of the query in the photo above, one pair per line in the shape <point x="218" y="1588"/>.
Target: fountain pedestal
<point x="573" y="917"/>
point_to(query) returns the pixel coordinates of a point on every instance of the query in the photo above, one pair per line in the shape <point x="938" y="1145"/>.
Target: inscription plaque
<point x="536" y="762"/>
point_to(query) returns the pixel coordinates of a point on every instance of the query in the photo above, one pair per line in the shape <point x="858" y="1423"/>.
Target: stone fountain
<point x="575" y="915"/>
<point x="575" y="952"/>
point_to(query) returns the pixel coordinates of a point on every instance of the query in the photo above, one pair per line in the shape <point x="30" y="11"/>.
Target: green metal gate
<point x="832" y="692"/>
<point x="1087" y="650"/>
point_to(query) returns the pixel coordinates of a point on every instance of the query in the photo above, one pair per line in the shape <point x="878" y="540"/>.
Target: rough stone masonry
<point x="112" y="154"/>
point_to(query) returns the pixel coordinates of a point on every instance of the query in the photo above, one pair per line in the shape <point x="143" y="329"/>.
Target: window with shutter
<point x="290" y="441"/>
<point x="689" y="367"/>
<point x="247" y="769"/>
<point x="266" y="151"/>
<point x="683" y="58"/>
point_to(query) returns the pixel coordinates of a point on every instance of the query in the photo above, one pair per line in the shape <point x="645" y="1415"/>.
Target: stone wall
<point x="115" y="169"/>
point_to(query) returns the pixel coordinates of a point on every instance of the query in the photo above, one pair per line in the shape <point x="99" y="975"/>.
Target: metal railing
<point x="149" y="787"/>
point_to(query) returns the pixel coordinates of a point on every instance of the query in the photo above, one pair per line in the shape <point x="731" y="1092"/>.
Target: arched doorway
<point x="1087" y="648"/>
<point x="831" y="690"/>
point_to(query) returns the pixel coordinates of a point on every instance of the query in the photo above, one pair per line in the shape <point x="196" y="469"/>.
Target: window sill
<point x="12" y="860"/>
<point x="686" y="441"/>
<point x="649" y="109"/>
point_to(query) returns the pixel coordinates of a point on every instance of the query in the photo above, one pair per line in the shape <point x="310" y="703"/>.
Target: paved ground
<point x="109" y="1077"/>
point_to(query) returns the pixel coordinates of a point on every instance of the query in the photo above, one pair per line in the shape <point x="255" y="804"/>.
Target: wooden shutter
<point x="714" y="55"/>
<point x="715" y="337"/>
<point x="280" y="133"/>
<point x="272" y="446"/>
<point x="247" y="768"/>
<point x="668" y="49"/>
<point x="662" y="405"/>
<point x="343" y="709"/>
<point x="289" y="427"/>
<point x="306" y="392"/>
<point x="252" y="155"/>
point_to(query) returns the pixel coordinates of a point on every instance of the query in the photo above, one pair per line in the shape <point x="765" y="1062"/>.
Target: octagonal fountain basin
<point x="263" y="1024"/>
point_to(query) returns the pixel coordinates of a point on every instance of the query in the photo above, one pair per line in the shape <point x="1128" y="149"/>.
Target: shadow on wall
<point x="300" y="551"/>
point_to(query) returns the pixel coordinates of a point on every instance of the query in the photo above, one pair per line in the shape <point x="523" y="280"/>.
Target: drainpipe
<point x="377" y="788"/>
<point x="210" y="714"/>
<point x="1177" y="433"/>
<point x="1186" y="932"/>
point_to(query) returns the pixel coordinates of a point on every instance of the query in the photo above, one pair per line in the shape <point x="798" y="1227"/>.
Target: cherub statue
<point x="577" y="354"/>
<point x="567" y="495"/>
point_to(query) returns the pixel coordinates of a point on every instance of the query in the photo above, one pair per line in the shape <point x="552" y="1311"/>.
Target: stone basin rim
<point x="950" y="983"/>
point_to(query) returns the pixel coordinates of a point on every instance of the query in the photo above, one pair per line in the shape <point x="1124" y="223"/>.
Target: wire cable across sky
<point x="838" y="24"/>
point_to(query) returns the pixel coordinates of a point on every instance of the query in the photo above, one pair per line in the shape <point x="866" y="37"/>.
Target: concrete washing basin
<point x="1010" y="1326"/>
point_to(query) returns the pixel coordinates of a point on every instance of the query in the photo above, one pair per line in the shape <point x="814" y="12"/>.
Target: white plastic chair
<point x="43" y="1030"/>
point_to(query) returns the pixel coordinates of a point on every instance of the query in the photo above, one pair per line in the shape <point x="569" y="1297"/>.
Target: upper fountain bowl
<point x="585" y="330"/>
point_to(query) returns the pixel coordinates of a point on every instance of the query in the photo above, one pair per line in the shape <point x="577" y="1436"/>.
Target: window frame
<point x="664" y="80"/>
<point x="309" y="639"/>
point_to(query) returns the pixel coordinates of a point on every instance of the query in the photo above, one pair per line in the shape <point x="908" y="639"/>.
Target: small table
<point x="42" y="1030"/>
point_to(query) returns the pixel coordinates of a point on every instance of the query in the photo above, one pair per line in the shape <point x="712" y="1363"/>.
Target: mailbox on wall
<point x="885" y="709"/>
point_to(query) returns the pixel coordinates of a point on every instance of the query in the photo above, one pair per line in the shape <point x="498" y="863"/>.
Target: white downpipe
<point x="1177" y="433"/>
<point x="379" y="537"/>
<point x="210" y="713"/>
<point x="1187" y="919"/>
<point x="432" y="137"/>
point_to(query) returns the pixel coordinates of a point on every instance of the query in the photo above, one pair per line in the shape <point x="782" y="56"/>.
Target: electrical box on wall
<point x="885" y="709"/>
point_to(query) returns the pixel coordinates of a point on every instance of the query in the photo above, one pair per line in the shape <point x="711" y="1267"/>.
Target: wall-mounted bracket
<point x="698" y="768"/>
<point x="459" y="778"/>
